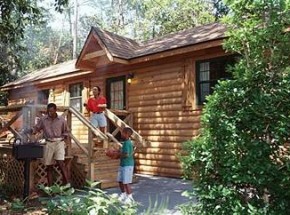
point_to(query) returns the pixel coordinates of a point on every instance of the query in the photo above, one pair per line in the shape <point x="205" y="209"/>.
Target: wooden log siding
<point x="167" y="139"/>
<point x="59" y="94"/>
<point x="19" y="97"/>
<point x="79" y="131"/>
<point x="156" y="97"/>
<point x="188" y="95"/>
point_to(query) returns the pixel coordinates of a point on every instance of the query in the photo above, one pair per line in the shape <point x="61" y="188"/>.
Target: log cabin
<point x="158" y="87"/>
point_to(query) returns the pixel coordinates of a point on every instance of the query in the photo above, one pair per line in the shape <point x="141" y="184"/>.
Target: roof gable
<point x="118" y="48"/>
<point x="117" y="45"/>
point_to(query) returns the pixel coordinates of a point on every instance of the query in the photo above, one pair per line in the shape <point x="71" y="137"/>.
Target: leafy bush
<point x="63" y="200"/>
<point x="241" y="161"/>
<point x="92" y="201"/>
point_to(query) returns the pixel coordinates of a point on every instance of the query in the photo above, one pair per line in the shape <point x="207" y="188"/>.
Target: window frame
<point x="111" y="80"/>
<point x="80" y="97"/>
<point x="210" y="81"/>
<point x="43" y="94"/>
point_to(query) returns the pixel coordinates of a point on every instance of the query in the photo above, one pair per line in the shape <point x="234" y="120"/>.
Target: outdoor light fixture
<point x="130" y="77"/>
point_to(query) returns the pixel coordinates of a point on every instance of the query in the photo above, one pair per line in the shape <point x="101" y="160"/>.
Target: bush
<point x="92" y="201"/>
<point x="241" y="161"/>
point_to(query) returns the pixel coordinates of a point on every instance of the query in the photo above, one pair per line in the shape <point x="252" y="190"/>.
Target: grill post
<point x="26" y="174"/>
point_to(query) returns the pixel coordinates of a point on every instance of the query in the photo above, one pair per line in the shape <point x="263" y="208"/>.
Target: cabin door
<point x="116" y="97"/>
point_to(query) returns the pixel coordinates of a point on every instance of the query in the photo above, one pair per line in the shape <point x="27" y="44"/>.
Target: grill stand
<point x="26" y="174"/>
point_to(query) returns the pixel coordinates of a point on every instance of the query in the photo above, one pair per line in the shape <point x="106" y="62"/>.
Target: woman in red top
<point x="97" y="104"/>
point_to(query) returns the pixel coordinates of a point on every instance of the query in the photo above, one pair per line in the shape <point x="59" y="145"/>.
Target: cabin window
<point x="116" y="92"/>
<point x="75" y="91"/>
<point x="209" y="72"/>
<point x="116" y="95"/>
<point x="42" y="97"/>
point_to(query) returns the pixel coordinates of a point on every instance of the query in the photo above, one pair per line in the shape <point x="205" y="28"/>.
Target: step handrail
<point x="121" y="124"/>
<point x="114" y="139"/>
<point x="87" y="123"/>
<point x="97" y="131"/>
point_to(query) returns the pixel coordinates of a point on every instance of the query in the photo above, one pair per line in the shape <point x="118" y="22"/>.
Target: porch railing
<point x="28" y="112"/>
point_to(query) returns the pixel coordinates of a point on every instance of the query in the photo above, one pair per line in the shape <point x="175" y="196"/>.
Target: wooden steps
<point x="105" y="168"/>
<point x="108" y="184"/>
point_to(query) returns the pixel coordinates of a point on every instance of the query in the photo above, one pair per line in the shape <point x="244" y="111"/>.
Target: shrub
<point x="92" y="201"/>
<point x="241" y="161"/>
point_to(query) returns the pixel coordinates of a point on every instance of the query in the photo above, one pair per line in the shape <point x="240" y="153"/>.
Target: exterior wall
<point x="78" y="129"/>
<point x="161" y="98"/>
<point x="18" y="97"/>
<point x="163" y="101"/>
<point x="156" y="99"/>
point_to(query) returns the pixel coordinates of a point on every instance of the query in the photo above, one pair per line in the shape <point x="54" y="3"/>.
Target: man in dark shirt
<point x="55" y="131"/>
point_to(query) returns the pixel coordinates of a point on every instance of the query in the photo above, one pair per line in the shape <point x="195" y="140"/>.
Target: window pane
<point x="204" y="90"/>
<point x="209" y="72"/>
<point x="42" y="97"/>
<point x="117" y="95"/>
<point x="76" y="103"/>
<point x="75" y="91"/>
<point x="204" y="71"/>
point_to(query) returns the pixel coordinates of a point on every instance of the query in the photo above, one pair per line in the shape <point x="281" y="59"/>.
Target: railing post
<point x="106" y="144"/>
<point x="130" y="121"/>
<point x="26" y="117"/>
<point x="69" y="125"/>
<point x="32" y="116"/>
<point x="91" y="157"/>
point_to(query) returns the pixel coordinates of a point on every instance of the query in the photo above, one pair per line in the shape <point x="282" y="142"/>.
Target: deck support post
<point x="91" y="175"/>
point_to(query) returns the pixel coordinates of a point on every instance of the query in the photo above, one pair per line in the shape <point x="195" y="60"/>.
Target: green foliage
<point x="240" y="163"/>
<point x="156" y="207"/>
<point x="147" y="19"/>
<point x="85" y="25"/>
<point x="17" y="205"/>
<point x="15" y="16"/>
<point x="167" y="16"/>
<point x="44" y="46"/>
<point x="64" y="200"/>
<point x="221" y="9"/>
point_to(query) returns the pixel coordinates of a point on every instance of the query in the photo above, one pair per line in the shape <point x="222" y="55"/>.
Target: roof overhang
<point x="43" y="81"/>
<point x="177" y="51"/>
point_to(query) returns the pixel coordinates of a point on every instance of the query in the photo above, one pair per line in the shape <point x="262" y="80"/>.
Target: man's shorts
<point x="53" y="151"/>
<point x="99" y="120"/>
<point x="125" y="174"/>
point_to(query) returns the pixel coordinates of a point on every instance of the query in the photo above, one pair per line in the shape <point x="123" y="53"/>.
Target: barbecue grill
<point x="27" y="152"/>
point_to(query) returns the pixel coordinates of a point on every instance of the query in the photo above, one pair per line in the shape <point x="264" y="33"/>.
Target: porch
<point x="85" y="152"/>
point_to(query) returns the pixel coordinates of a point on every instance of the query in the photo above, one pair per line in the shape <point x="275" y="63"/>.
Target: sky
<point x="60" y="20"/>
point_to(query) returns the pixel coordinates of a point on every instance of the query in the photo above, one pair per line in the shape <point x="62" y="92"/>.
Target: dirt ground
<point x="33" y="207"/>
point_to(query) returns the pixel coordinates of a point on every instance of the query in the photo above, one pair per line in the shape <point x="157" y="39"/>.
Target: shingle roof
<point x="126" y="48"/>
<point x="45" y="73"/>
<point x="117" y="45"/>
